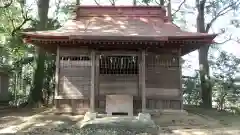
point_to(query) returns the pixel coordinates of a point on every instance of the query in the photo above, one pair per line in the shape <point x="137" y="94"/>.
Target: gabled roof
<point x="123" y="23"/>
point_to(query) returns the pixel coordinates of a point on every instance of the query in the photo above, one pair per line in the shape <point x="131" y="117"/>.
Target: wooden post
<point x="74" y="107"/>
<point x="57" y="73"/>
<point x="92" y="92"/>
<point x="180" y="81"/>
<point x="143" y="80"/>
<point x="97" y="69"/>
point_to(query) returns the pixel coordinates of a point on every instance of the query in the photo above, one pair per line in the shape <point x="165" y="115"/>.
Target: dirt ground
<point x="45" y="121"/>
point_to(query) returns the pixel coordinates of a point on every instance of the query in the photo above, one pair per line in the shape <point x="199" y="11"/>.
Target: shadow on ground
<point x="45" y="122"/>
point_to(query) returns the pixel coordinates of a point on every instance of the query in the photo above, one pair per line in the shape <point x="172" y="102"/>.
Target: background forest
<point x="213" y="84"/>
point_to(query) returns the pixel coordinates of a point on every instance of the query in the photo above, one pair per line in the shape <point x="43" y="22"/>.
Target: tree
<point x="36" y="91"/>
<point x="6" y="4"/>
<point x="14" y="18"/>
<point x="216" y="9"/>
<point x="224" y="67"/>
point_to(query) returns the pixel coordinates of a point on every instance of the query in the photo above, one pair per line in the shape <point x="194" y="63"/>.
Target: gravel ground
<point x="100" y="126"/>
<point x="47" y="123"/>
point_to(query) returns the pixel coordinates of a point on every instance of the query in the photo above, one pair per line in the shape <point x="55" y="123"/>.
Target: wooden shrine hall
<point x="120" y="59"/>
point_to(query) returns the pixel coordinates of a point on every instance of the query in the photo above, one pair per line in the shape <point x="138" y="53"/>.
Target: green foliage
<point x="224" y="69"/>
<point x="226" y="91"/>
<point x="191" y="90"/>
<point x="16" y="57"/>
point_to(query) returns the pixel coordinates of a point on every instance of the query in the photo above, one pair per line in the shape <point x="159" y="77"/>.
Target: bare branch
<point x="221" y="13"/>
<point x="225" y="41"/>
<point x="112" y="2"/>
<point x="237" y="40"/>
<point x="7" y="5"/>
<point x="179" y="7"/>
<point x="157" y="2"/>
<point x="97" y="2"/>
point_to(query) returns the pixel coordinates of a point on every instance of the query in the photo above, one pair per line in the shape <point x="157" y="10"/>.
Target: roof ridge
<point x="120" y="11"/>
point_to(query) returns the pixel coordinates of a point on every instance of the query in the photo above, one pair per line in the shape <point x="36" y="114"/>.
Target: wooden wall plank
<point x="162" y="74"/>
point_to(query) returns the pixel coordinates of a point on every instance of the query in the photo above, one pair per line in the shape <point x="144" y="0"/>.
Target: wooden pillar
<point x="57" y="64"/>
<point x="92" y="92"/>
<point x="97" y="72"/>
<point x="143" y="80"/>
<point x="180" y="80"/>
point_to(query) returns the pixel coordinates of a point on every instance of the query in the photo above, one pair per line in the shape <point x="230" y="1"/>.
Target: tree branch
<point x="237" y="40"/>
<point x="7" y="5"/>
<point x="229" y="39"/>
<point x="158" y="2"/>
<point x="20" y="26"/>
<point x="179" y="7"/>
<point x="26" y="19"/>
<point x="97" y="2"/>
<point x="221" y="13"/>
<point x="113" y="2"/>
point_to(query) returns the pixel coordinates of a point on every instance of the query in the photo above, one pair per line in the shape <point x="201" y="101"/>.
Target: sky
<point x="192" y="58"/>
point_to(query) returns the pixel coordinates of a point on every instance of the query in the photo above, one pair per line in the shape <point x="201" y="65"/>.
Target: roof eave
<point x="97" y="37"/>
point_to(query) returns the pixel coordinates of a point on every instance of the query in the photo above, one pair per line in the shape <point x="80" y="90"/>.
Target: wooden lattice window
<point x="118" y="64"/>
<point x="75" y="58"/>
<point x="75" y="61"/>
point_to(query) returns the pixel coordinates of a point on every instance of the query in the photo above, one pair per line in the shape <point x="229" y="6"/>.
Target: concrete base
<point x="118" y="125"/>
<point x="90" y="116"/>
<point x="176" y="112"/>
<point x="144" y="117"/>
<point x="119" y="104"/>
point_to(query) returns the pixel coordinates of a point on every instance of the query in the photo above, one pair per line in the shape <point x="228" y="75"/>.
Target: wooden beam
<point x="92" y="92"/>
<point x="143" y="80"/>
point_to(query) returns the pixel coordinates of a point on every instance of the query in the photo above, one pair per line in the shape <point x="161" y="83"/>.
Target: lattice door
<point x="118" y="74"/>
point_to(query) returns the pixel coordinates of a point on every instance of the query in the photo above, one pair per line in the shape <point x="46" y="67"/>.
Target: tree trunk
<point x="206" y="88"/>
<point x="169" y="10"/>
<point x="15" y="88"/>
<point x="162" y="2"/>
<point x="77" y="2"/>
<point x="134" y="2"/>
<point x="205" y="78"/>
<point x="36" y="92"/>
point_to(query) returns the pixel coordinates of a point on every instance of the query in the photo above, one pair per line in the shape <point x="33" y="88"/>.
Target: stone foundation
<point x="90" y="116"/>
<point x="144" y="117"/>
